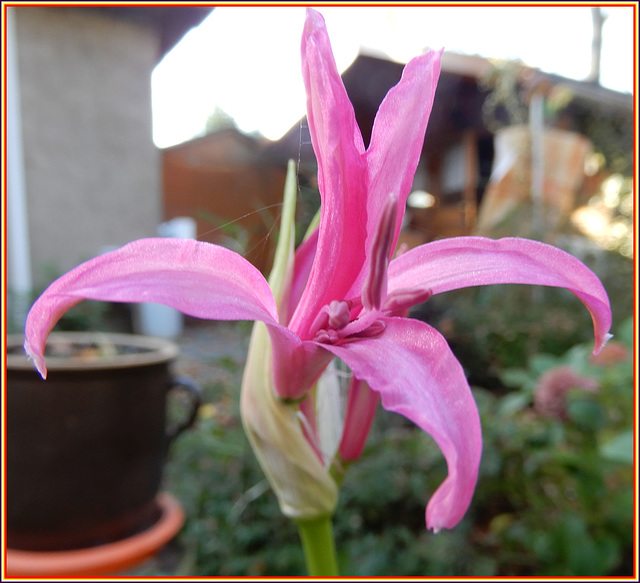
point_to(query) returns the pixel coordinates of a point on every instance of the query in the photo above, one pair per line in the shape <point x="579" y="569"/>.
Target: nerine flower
<point x="341" y="295"/>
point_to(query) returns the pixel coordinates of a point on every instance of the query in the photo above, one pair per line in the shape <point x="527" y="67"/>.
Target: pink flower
<point x="344" y="296"/>
<point x="550" y="396"/>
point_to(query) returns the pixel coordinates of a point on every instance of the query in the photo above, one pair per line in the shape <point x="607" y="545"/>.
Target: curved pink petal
<point x="362" y="403"/>
<point x="417" y="376"/>
<point x="199" y="279"/>
<point x="339" y="149"/>
<point x="469" y="261"/>
<point x="398" y="135"/>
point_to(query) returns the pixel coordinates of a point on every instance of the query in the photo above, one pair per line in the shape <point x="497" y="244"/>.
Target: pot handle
<point x="194" y="395"/>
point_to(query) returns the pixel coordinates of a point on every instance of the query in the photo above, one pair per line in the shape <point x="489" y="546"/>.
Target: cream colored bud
<point x="298" y="477"/>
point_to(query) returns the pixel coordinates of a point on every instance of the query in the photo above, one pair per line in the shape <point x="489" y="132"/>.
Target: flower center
<point x="335" y="324"/>
<point x="343" y="321"/>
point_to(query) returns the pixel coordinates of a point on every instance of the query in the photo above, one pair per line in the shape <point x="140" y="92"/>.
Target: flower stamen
<point x="401" y="301"/>
<point x="339" y="314"/>
<point x="374" y="288"/>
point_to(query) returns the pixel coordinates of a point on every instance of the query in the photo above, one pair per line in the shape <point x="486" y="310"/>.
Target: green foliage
<point x="219" y="120"/>
<point x="563" y="486"/>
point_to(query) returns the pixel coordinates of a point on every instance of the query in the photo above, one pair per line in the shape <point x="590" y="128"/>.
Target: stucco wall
<point x="92" y="171"/>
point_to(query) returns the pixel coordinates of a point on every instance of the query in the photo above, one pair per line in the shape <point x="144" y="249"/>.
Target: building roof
<point x="459" y="98"/>
<point x="173" y="22"/>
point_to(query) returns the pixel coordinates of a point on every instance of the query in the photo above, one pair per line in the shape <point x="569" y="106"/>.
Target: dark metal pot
<point x="86" y="448"/>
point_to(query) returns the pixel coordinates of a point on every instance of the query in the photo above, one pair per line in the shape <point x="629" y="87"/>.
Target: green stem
<point x="319" y="546"/>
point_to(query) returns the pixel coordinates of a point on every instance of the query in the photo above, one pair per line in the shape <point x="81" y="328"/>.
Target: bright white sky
<point x="246" y="60"/>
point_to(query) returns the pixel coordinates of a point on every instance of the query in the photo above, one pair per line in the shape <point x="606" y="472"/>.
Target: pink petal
<point x="413" y="369"/>
<point x="302" y="263"/>
<point x="469" y="261"/>
<point x="199" y="279"/>
<point x="297" y="364"/>
<point x="362" y="403"/>
<point x="398" y="136"/>
<point x="338" y="145"/>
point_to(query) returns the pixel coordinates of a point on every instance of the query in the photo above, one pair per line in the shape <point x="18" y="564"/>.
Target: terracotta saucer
<point x="108" y="559"/>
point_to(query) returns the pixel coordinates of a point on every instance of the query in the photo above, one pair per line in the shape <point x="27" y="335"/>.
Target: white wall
<point x="92" y="173"/>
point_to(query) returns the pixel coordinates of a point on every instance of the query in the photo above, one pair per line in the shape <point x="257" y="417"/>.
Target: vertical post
<point x="536" y="126"/>
<point x="470" y="144"/>
<point x="434" y="169"/>
<point x="596" y="44"/>
<point x="19" y="256"/>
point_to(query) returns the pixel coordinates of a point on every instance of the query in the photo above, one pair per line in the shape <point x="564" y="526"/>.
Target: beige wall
<point x="92" y="172"/>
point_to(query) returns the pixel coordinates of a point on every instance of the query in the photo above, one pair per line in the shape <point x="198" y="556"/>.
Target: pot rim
<point x="156" y="351"/>
<point x="107" y="559"/>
